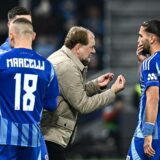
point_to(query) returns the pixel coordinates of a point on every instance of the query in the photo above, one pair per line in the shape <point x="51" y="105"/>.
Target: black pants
<point x="55" y="151"/>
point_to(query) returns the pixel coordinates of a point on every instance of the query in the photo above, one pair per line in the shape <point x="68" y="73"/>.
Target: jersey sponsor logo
<point x="152" y="76"/>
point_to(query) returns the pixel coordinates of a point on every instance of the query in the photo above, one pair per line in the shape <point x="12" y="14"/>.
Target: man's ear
<point x="33" y="36"/>
<point x="11" y="39"/>
<point x="152" y="39"/>
<point x="78" y="47"/>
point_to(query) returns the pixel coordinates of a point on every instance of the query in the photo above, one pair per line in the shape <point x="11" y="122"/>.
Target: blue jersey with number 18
<point x="28" y="84"/>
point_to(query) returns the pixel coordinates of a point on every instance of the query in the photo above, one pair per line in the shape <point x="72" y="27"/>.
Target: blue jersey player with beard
<point x="145" y="144"/>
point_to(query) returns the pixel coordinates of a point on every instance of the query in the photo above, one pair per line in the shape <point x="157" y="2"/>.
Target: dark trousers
<point x="55" y="151"/>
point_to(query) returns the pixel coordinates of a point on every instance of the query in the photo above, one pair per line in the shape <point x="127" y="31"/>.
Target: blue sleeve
<point x="52" y="92"/>
<point x="150" y="74"/>
<point x="5" y="47"/>
<point x="2" y="51"/>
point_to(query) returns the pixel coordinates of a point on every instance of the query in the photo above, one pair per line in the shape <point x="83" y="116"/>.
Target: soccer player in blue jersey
<point x="145" y="143"/>
<point x="28" y="83"/>
<point x="14" y="13"/>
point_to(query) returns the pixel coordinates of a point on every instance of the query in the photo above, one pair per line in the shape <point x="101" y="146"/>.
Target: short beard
<point x="85" y="62"/>
<point x="146" y="49"/>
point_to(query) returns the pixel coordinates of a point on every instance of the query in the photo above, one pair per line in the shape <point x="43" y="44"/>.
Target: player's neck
<point x="155" y="49"/>
<point x="23" y="45"/>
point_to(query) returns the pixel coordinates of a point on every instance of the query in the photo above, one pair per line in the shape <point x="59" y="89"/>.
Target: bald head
<point x="21" y="31"/>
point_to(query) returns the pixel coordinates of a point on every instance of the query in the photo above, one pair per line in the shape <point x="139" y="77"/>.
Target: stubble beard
<point x="147" y="47"/>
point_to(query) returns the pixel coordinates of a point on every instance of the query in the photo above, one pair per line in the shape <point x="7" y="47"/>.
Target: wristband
<point x="148" y="129"/>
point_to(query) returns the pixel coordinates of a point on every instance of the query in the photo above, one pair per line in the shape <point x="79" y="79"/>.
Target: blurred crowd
<point x="53" y="18"/>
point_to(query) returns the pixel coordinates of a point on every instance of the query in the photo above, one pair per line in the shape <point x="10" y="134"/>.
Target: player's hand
<point x="148" y="150"/>
<point x="104" y="80"/>
<point x="140" y="56"/>
<point x="119" y="84"/>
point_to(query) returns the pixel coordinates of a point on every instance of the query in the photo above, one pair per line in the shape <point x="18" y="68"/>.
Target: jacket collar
<point x="71" y="55"/>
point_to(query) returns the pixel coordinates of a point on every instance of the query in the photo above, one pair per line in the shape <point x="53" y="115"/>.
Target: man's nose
<point x="139" y="41"/>
<point x="94" y="51"/>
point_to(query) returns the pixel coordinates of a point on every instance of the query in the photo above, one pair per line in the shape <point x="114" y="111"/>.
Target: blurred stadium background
<point x="105" y="133"/>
